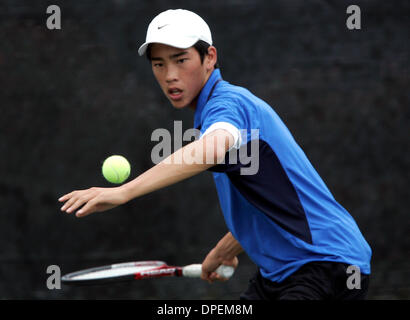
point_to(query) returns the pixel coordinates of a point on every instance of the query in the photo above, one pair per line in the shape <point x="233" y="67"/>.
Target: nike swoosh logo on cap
<point x="160" y="27"/>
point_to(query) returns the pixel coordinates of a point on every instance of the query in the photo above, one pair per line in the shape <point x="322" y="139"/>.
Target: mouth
<point x="175" y="93"/>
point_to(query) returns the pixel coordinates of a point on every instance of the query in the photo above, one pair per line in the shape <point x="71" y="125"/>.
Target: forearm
<point x="162" y="175"/>
<point x="186" y="162"/>
<point x="227" y="248"/>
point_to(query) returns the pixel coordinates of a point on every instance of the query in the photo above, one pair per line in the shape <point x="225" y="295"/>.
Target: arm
<point x="224" y="252"/>
<point x="186" y="162"/>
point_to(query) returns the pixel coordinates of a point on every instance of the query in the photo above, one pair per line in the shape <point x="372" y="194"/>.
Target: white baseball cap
<point x="177" y="28"/>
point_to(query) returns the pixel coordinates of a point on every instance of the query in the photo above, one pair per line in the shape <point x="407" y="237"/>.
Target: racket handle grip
<point x="195" y="270"/>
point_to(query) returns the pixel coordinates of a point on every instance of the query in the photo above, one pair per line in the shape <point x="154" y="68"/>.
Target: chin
<point x="179" y="104"/>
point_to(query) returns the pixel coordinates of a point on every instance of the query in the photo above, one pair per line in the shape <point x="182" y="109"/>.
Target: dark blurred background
<point x="71" y="97"/>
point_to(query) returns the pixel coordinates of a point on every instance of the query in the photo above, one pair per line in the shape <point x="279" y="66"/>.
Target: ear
<point x="211" y="58"/>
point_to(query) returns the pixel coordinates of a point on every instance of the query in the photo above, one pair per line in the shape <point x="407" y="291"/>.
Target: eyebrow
<point x="173" y="56"/>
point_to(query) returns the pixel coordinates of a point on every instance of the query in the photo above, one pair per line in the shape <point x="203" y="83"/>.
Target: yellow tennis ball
<point x="116" y="169"/>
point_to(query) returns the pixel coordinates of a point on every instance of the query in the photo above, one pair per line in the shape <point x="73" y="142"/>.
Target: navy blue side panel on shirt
<point x="270" y="190"/>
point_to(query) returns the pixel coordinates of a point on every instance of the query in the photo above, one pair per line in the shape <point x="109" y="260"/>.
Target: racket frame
<point x="157" y="269"/>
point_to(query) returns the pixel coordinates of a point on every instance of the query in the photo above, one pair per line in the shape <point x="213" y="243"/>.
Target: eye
<point x="181" y="60"/>
<point x="157" y="65"/>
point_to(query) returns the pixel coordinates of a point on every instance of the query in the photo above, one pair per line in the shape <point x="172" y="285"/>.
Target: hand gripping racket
<point x="137" y="271"/>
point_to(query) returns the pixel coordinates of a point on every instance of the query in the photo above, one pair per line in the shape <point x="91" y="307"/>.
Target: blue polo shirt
<point x="282" y="214"/>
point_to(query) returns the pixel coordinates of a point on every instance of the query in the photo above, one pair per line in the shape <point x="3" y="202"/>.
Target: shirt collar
<point x="203" y="96"/>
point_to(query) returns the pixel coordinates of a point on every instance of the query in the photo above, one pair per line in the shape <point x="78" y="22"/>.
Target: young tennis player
<point x="304" y="243"/>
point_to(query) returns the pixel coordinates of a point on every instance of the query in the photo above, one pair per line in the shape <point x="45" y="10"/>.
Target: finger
<point x="211" y="277"/>
<point x="65" y="197"/>
<point x="70" y="198"/>
<point x="69" y="203"/>
<point x="205" y="276"/>
<point x="80" y="201"/>
<point x="75" y="205"/>
<point x="220" y="278"/>
<point x="88" y="208"/>
<point x="214" y="276"/>
<point x="79" y="198"/>
<point x="217" y="277"/>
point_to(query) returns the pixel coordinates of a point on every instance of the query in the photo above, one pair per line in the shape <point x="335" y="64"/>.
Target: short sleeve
<point x="234" y="131"/>
<point x="224" y="114"/>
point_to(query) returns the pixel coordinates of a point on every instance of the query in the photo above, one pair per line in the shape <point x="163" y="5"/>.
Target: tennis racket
<point x="137" y="271"/>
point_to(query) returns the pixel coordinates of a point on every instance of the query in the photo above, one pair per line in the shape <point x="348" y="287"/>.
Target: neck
<point x="193" y="103"/>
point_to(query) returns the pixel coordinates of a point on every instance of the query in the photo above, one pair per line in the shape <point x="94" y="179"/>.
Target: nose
<point x="172" y="74"/>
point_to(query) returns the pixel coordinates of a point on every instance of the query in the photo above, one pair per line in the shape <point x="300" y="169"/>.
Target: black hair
<point x="200" y="46"/>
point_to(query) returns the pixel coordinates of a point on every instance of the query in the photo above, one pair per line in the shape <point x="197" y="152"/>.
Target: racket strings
<point x="116" y="270"/>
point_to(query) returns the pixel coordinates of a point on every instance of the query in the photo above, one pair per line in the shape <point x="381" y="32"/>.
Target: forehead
<point x="164" y="51"/>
